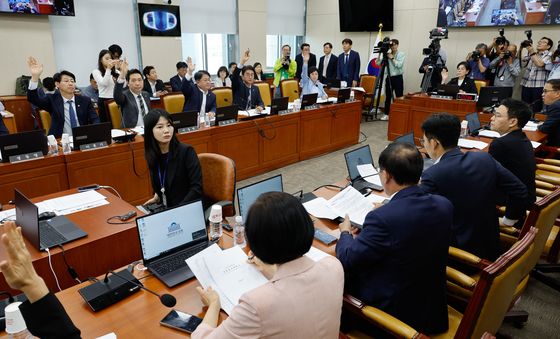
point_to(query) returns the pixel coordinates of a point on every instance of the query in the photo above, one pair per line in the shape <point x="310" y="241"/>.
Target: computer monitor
<point x="308" y="100"/>
<point x="87" y="134"/>
<point x="27" y="217"/>
<point x="407" y="138"/>
<point x="343" y="95"/>
<point x="474" y="122"/>
<point x="278" y="105"/>
<point x="247" y="195"/>
<point x="448" y="90"/>
<point x="225" y="113"/>
<point x="359" y="156"/>
<point x="492" y="95"/>
<point x="185" y="119"/>
<point x="23" y="143"/>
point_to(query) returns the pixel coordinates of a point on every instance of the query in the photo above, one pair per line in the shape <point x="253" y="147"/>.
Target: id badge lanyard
<point x="162" y="179"/>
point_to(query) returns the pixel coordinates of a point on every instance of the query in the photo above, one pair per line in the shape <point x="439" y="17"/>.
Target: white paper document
<point x="253" y="112"/>
<point x="73" y="203"/>
<point x="348" y="201"/>
<point x="320" y="208"/>
<point x="330" y="99"/>
<point x="488" y="134"/>
<point x="115" y="133"/>
<point x="467" y="143"/>
<point x="535" y="144"/>
<point x="138" y="129"/>
<point x="369" y="174"/>
<point x="316" y="254"/>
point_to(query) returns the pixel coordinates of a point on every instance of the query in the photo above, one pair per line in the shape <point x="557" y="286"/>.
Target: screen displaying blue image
<point x="159" y="20"/>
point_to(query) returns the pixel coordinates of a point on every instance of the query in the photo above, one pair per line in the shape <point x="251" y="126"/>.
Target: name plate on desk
<point x="184" y="130"/>
<point x="93" y="145"/>
<point x="285" y="111"/>
<point x="26" y="157"/>
<point x="314" y="106"/>
<point x="349" y="100"/>
<point x="227" y="122"/>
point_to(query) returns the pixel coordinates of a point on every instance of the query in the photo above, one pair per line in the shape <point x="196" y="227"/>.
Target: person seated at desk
<point x="395" y="263"/>
<point x="67" y="110"/>
<point x="174" y="167"/>
<point x="465" y="83"/>
<point x="198" y="97"/>
<point x="44" y="315"/>
<point x="222" y="80"/>
<point x="473" y="182"/>
<point x="513" y="149"/>
<point x="152" y="84"/>
<point x="92" y="91"/>
<point x="259" y="75"/>
<point x="245" y="95"/>
<point x="177" y="80"/>
<point x="310" y="80"/>
<point x="303" y="298"/>
<point x="551" y="98"/>
<point x="133" y="101"/>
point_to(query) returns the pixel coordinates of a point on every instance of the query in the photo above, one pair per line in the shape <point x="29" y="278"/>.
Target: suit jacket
<point x="193" y="98"/>
<point x="176" y="83"/>
<point x="331" y="67"/>
<point x="129" y="105"/>
<point x="299" y="61"/>
<point x="473" y="182"/>
<point x="46" y="318"/>
<point x="148" y="87"/>
<point x="397" y="263"/>
<point x="241" y="92"/>
<point x="183" y="178"/>
<point x="302" y="300"/>
<point x="551" y="126"/>
<point x="468" y="85"/>
<point x="352" y="72"/>
<point x="54" y="104"/>
<point x="515" y="152"/>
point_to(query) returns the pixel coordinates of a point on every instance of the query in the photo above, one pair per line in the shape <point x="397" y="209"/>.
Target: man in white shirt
<point x="152" y="84"/>
<point x="327" y="63"/>
<point x="133" y="101"/>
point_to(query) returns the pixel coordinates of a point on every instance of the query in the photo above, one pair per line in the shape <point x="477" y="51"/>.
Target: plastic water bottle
<point x="351" y="95"/>
<point x="53" y="147"/>
<point x="206" y="120"/>
<point x="15" y="324"/>
<point x="239" y="232"/>
<point x="66" y="144"/>
<point x="464" y="128"/>
<point x="215" y="220"/>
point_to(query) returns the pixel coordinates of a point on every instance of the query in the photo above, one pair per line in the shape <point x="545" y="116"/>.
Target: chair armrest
<point x="352" y="302"/>
<point x="460" y="278"/>
<point x="549" y="168"/>
<point x="389" y="323"/>
<point x="545" y="185"/>
<point x="510" y="230"/>
<point x="464" y="256"/>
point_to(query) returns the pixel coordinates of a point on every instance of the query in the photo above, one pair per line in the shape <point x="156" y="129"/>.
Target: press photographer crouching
<point x="478" y="62"/>
<point x="505" y="67"/>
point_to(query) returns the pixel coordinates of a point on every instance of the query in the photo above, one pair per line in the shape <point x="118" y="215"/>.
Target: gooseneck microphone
<point x="166" y="299"/>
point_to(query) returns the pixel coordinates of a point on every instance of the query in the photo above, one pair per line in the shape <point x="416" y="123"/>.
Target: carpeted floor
<point x="542" y="302"/>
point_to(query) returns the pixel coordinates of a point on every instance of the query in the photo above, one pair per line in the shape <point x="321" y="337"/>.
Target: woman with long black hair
<point x="105" y="75"/>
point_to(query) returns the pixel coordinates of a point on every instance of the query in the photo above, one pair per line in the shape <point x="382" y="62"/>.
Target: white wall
<point x="252" y="28"/>
<point x="413" y="19"/>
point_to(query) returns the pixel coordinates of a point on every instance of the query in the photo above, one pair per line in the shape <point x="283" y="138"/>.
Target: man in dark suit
<point x="305" y="49"/>
<point x="551" y="98"/>
<point x="513" y="149"/>
<point x="398" y="261"/>
<point x="133" y="101"/>
<point x="245" y="95"/>
<point x="473" y="182"/>
<point x="327" y="64"/>
<point x="198" y="97"/>
<point x="152" y="84"/>
<point x="348" y="68"/>
<point x="67" y="111"/>
<point x="177" y="80"/>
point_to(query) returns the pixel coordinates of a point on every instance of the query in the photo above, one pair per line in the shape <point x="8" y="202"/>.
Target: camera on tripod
<point x="529" y="41"/>
<point x="436" y="35"/>
<point x="383" y="46"/>
<point x="501" y="40"/>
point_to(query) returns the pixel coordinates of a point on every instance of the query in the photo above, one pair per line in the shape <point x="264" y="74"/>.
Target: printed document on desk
<point x="488" y="134"/>
<point x="253" y="112"/>
<point x="348" y="201"/>
<point x="531" y="126"/>
<point x="369" y="174"/>
<point x="467" y="143"/>
<point x="73" y="203"/>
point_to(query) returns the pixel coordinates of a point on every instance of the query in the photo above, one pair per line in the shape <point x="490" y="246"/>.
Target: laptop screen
<point x="407" y="138"/>
<point x="474" y="122"/>
<point x="165" y="231"/>
<point x="359" y="156"/>
<point x="27" y="216"/>
<point x="247" y="195"/>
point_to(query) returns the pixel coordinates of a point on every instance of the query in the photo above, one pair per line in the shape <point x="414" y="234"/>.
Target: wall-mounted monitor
<point x="365" y="15"/>
<point x="482" y="13"/>
<point x="159" y="20"/>
<point x="38" y="7"/>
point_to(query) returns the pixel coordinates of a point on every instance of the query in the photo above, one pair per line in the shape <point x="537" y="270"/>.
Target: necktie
<point x="249" y="99"/>
<point x="72" y="114"/>
<point x="345" y="59"/>
<point x="142" y="107"/>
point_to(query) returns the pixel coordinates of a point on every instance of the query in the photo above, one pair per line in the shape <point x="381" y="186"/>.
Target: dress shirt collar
<point x="66" y="100"/>
<point x="200" y="89"/>
<point x="293" y="267"/>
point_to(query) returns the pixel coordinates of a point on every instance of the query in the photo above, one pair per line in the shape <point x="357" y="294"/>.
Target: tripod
<point x="379" y="86"/>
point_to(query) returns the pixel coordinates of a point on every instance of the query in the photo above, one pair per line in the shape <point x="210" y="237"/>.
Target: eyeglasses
<point x="549" y="90"/>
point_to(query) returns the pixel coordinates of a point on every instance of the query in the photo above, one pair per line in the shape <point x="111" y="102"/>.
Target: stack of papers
<point x="348" y="201"/>
<point x="467" y="143"/>
<point x="488" y="133"/>
<point x="229" y="273"/>
<point x="329" y="99"/>
<point x="535" y="144"/>
<point x="253" y="112"/>
<point x="531" y="126"/>
<point x="369" y="174"/>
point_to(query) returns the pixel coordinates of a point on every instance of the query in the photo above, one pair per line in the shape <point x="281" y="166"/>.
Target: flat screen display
<point x="159" y="20"/>
<point x="484" y="13"/>
<point x="38" y="7"/>
<point x="365" y="15"/>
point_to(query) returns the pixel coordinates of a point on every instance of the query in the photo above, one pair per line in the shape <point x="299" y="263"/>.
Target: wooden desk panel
<point x="200" y="139"/>
<point x="316" y="131"/>
<point x="279" y="138"/>
<point x="346" y="125"/>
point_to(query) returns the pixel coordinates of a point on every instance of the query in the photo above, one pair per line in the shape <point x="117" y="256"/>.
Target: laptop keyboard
<point x="49" y="236"/>
<point x="177" y="261"/>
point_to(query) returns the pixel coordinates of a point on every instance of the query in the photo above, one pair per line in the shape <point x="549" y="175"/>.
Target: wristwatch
<point x="341" y="233"/>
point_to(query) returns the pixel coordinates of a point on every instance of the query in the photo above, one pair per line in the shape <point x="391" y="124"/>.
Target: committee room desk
<point x="106" y="246"/>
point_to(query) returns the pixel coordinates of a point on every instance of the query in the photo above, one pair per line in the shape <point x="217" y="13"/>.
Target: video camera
<point x="529" y="41"/>
<point x="436" y="35"/>
<point x="383" y="46"/>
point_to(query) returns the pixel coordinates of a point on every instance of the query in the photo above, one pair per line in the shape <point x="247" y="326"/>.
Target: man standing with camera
<point x="535" y="73"/>
<point x="478" y="62"/>
<point x="284" y="68"/>
<point x="506" y="65"/>
<point x="394" y="83"/>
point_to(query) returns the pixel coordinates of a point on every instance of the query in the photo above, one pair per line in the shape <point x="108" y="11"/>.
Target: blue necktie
<point x="72" y="113"/>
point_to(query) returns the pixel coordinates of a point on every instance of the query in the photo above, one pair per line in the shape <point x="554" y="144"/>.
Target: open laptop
<point x="308" y="100"/>
<point x="169" y="237"/>
<point x="492" y="95"/>
<point x="225" y="113"/>
<point x="343" y="95"/>
<point x="447" y="90"/>
<point x="247" y="195"/>
<point x="474" y="123"/>
<point x="23" y="143"/>
<point x="278" y="105"/>
<point x="88" y="134"/>
<point x="45" y="233"/>
<point x="360" y="156"/>
<point x="332" y="82"/>
<point x="407" y="138"/>
<point x="183" y="120"/>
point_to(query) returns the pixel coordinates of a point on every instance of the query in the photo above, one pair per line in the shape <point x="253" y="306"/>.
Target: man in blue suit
<point x="67" y="110"/>
<point x="551" y="98"/>
<point x="398" y="261"/>
<point x="198" y="97"/>
<point x="177" y="80"/>
<point x="348" y="68"/>
<point x="245" y="95"/>
<point x="474" y="183"/>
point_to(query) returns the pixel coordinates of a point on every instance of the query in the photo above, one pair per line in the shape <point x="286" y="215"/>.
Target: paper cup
<point x="14" y="319"/>
<point x="215" y="213"/>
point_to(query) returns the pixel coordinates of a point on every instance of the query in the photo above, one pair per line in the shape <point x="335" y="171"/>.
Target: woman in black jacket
<point x="466" y="84"/>
<point x="174" y="167"/>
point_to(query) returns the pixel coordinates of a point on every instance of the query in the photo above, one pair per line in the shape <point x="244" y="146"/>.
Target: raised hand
<point x="444" y="75"/>
<point x="305" y="57"/>
<point x="124" y="68"/>
<point x="190" y="66"/>
<point x="35" y="68"/>
<point x="245" y="57"/>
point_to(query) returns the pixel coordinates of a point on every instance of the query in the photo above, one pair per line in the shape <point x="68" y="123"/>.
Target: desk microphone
<point x="166" y="299"/>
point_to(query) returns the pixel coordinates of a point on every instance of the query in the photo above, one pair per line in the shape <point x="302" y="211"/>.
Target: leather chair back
<point x="264" y="89"/>
<point x="173" y="102"/>
<point x="224" y="96"/>
<point x="45" y="120"/>
<point x="115" y="114"/>
<point x="218" y="180"/>
<point x="367" y="82"/>
<point x="290" y="88"/>
<point x="479" y="84"/>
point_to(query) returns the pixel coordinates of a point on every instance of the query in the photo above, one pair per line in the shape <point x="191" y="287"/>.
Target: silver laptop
<point x="247" y="195"/>
<point x="360" y="156"/>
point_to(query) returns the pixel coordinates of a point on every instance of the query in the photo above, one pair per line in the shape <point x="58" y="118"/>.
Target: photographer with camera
<point x="434" y="62"/>
<point x="505" y="67"/>
<point x="284" y="68"/>
<point x="554" y="66"/>
<point x="535" y="74"/>
<point x="478" y="62"/>
<point x="394" y="83"/>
